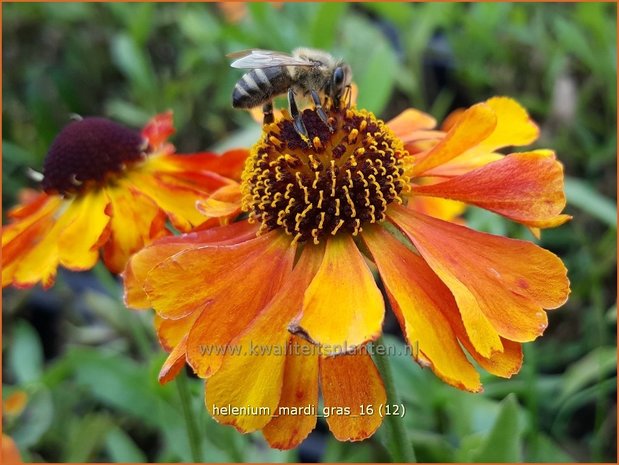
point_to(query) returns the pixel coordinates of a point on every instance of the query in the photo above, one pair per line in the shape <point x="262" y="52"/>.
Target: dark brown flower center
<point x="88" y="152"/>
<point x="336" y="182"/>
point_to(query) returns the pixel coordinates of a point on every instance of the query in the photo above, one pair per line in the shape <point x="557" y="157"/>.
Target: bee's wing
<point x="254" y="58"/>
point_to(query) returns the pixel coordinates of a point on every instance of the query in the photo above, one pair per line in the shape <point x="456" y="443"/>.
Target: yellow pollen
<point x="275" y="141"/>
<point x="317" y="143"/>
<point x="314" y="163"/>
<point x="353" y="135"/>
<point x="322" y="220"/>
<point x="337" y="226"/>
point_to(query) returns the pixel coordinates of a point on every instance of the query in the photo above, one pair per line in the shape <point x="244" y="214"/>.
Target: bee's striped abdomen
<point x="259" y="86"/>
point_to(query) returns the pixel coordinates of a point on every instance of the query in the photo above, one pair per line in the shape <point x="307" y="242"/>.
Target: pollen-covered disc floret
<point x="335" y="181"/>
<point x="89" y="151"/>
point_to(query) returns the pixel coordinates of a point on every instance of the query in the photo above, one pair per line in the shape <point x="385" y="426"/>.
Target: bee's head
<point x="340" y="80"/>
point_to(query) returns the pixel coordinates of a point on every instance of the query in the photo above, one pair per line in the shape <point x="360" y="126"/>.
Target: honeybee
<point x="305" y="72"/>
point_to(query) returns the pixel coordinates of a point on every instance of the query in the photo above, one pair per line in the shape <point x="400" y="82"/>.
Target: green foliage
<point x="97" y="397"/>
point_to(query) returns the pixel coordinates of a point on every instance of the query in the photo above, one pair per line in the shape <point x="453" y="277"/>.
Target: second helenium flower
<point x="109" y="189"/>
<point x="297" y="272"/>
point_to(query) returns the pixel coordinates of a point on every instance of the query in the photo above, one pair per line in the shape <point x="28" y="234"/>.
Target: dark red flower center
<point x="89" y="152"/>
<point x="335" y="182"/>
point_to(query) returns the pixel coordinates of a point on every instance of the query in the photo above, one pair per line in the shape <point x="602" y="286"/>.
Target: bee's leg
<point x="319" y="110"/>
<point x="267" y="112"/>
<point x="298" y="123"/>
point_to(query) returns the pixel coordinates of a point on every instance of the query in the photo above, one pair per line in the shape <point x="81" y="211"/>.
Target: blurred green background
<point x="89" y="366"/>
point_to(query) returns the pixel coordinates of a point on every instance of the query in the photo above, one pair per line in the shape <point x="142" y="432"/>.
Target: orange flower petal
<point x="448" y="210"/>
<point x="451" y="119"/>
<point x="475" y="124"/>
<point x="30" y="201"/>
<point x="15" y="403"/>
<point x="10" y="452"/>
<point x="468" y="161"/>
<point x="190" y="279"/>
<point x="504" y="364"/>
<point x="172" y="332"/>
<point x="229" y="285"/>
<point x="410" y="121"/>
<point x="146" y="259"/>
<point x="172" y="336"/>
<point x="343" y="293"/>
<point x="295" y="418"/>
<point x="514" y="125"/>
<point x="525" y="187"/>
<point x="79" y="241"/>
<point x="259" y="353"/>
<point x="252" y="384"/>
<point x="501" y="285"/>
<point x="136" y="220"/>
<point x="419" y="141"/>
<point x="229" y="164"/>
<point x="419" y="298"/>
<point x="43" y="206"/>
<point x="40" y="263"/>
<point x="223" y="203"/>
<point x="174" y="363"/>
<point x="349" y="381"/>
<point x="20" y="237"/>
<point x="178" y="201"/>
<point x="158" y="130"/>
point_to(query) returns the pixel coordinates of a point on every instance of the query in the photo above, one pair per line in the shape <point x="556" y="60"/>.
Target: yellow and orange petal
<point x="513" y="127"/>
<point x="525" y="187"/>
<point x="294" y="421"/>
<point x="349" y="383"/>
<point x="355" y="313"/>
<point x="419" y="300"/>
<point x="264" y="364"/>
<point x="475" y="124"/>
<point x="501" y="285"/>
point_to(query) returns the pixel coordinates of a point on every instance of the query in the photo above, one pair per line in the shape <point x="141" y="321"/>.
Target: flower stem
<point x="193" y="434"/>
<point x="400" y="447"/>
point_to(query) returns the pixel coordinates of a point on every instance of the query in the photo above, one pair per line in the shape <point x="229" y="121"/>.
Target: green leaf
<point x="547" y="451"/>
<point x="591" y="369"/>
<point x="134" y="63"/>
<point x="121" y="447"/>
<point x="372" y="60"/>
<point x="504" y="441"/>
<point x="398" y="13"/>
<point x="376" y="83"/>
<point x="88" y="433"/>
<point x="26" y="355"/>
<point x="127" y="113"/>
<point x="432" y="447"/>
<point x="587" y="199"/>
<point x="325" y="24"/>
<point x="122" y="384"/>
